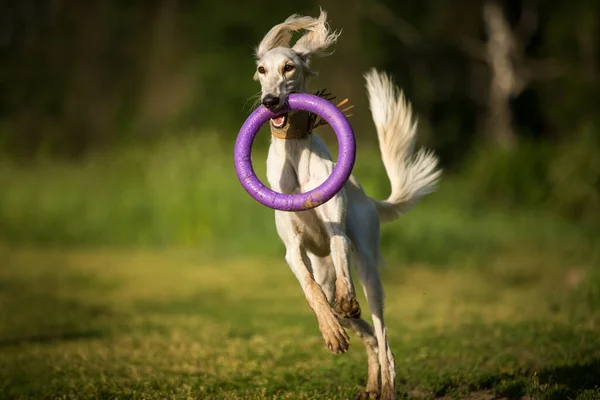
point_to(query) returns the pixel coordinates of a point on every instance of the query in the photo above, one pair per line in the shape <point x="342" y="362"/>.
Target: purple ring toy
<point x="301" y="201"/>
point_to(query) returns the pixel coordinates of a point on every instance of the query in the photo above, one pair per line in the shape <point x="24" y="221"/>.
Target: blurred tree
<point x="495" y="50"/>
<point x="78" y="75"/>
<point x="64" y="84"/>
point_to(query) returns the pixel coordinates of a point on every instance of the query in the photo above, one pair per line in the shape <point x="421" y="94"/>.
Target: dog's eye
<point x="288" y="67"/>
<point x="261" y="70"/>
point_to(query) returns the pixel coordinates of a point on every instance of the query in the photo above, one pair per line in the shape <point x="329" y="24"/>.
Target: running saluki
<point x="321" y="242"/>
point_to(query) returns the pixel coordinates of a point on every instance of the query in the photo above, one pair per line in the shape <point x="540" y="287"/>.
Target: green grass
<point x="90" y="324"/>
<point x="183" y="191"/>
<point x="178" y="191"/>
<point x="148" y="272"/>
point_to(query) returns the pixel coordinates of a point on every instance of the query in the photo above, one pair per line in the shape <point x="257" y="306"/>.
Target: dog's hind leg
<point x="324" y="273"/>
<point x="364" y="332"/>
<point x="366" y="268"/>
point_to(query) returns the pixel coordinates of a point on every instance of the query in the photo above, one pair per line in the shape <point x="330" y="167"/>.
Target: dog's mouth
<point x="279" y="121"/>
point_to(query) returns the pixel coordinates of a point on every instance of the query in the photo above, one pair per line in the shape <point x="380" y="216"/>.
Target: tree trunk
<point x="505" y="80"/>
<point x="499" y="119"/>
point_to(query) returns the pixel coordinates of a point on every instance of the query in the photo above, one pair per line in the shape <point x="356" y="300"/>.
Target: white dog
<point x="320" y="243"/>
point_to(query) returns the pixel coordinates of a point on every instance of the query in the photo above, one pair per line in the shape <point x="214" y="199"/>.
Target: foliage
<point x="78" y="76"/>
<point x="509" y="178"/>
<point x="183" y="191"/>
<point x="574" y="176"/>
<point x="563" y="176"/>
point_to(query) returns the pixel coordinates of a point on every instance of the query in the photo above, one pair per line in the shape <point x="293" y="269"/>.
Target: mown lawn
<point x="99" y="299"/>
<point x="114" y="324"/>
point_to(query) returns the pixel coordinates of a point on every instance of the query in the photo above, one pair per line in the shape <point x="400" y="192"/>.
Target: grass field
<point x="87" y="324"/>
<point x="102" y="297"/>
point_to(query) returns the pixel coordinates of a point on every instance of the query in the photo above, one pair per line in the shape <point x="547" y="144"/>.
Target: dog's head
<point x="282" y="69"/>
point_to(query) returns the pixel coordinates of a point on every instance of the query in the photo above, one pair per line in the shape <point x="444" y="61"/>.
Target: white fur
<point x="412" y="176"/>
<point x="321" y="243"/>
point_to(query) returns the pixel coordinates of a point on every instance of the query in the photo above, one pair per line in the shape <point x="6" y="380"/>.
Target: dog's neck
<point x="297" y="126"/>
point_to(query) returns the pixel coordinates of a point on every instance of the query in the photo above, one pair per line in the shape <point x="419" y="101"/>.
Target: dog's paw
<point x="388" y="393"/>
<point x="335" y="337"/>
<point x="365" y="395"/>
<point x="347" y="307"/>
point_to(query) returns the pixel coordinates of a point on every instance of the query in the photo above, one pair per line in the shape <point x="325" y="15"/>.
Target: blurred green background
<point x="117" y="119"/>
<point x="123" y="225"/>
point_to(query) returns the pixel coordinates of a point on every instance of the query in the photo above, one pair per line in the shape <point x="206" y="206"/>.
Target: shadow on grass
<point x="51" y="338"/>
<point x="35" y="313"/>
<point x="579" y="380"/>
<point x="527" y="360"/>
<point x="566" y="381"/>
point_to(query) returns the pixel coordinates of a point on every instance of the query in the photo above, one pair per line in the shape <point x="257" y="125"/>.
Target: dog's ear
<point x="281" y="34"/>
<point x="317" y="40"/>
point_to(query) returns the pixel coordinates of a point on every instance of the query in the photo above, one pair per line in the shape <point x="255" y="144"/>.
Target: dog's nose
<point x="270" y="101"/>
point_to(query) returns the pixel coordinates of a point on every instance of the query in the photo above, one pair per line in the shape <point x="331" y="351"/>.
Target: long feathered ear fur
<point x="314" y="42"/>
<point x="317" y="40"/>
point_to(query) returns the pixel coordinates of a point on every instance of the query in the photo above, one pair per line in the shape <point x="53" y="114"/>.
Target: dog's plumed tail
<point x="412" y="174"/>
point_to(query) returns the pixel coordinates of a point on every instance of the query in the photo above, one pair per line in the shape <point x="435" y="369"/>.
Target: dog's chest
<point x="311" y="231"/>
<point x="288" y="166"/>
<point x="289" y="170"/>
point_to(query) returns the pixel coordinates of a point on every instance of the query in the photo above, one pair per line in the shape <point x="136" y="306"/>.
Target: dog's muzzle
<point x="270" y="101"/>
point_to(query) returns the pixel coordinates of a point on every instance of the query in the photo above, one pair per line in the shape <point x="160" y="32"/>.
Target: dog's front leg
<point x="335" y="337"/>
<point x="333" y="216"/>
<point x="315" y="167"/>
